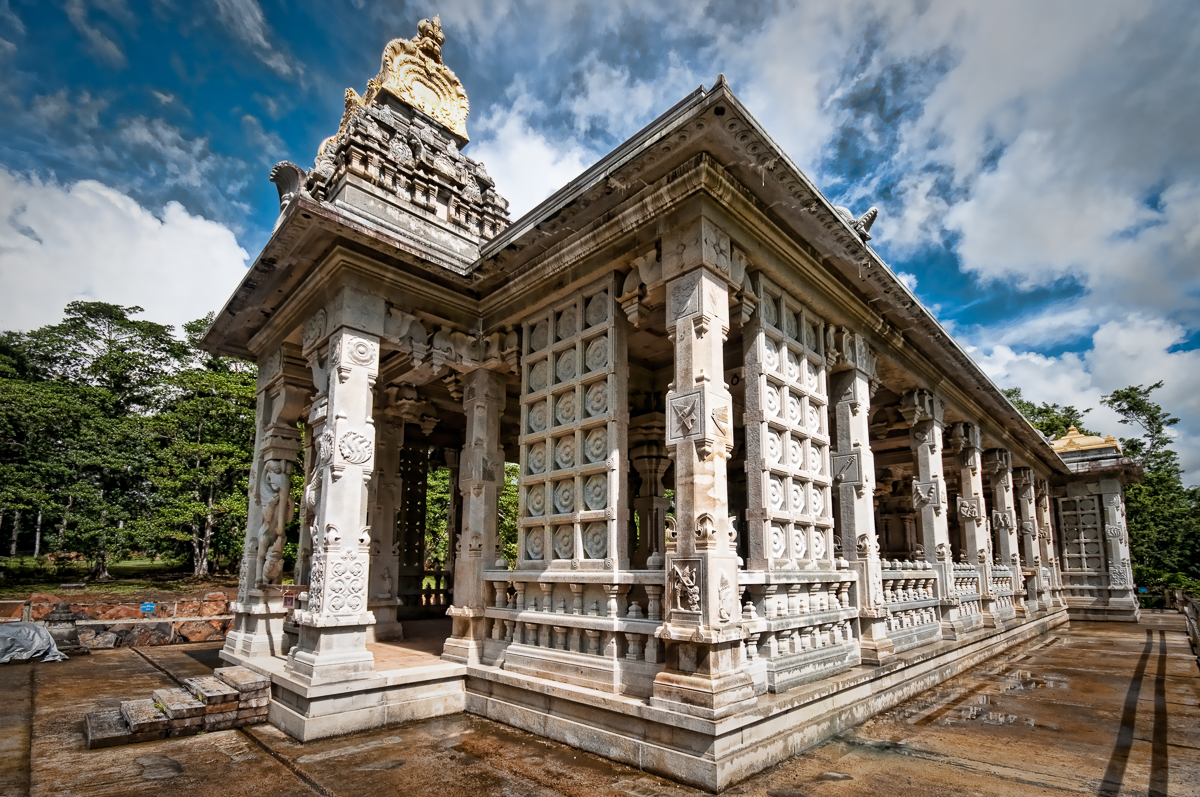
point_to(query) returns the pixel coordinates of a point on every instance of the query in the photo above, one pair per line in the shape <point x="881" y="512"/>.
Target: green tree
<point x="204" y="435"/>
<point x="1052" y="420"/>
<point x="1163" y="516"/>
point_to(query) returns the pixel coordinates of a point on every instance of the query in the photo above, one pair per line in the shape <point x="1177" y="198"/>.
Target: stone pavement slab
<point x="1094" y="709"/>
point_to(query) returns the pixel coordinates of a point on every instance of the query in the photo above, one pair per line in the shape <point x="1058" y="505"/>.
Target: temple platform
<point x="410" y="682"/>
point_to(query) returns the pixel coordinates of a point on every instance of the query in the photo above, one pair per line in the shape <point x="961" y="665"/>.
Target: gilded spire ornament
<point x="413" y="72"/>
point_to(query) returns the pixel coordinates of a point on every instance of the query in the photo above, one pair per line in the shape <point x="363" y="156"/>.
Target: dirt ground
<point x="1100" y="709"/>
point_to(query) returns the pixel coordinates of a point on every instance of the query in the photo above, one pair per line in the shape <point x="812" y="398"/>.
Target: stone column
<point x="283" y="388"/>
<point x="481" y="476"/>
<point x="1046" y="543"/>
<point x="649" y="458"/>
<point x="702" y="632"/>
<point x="998" y="463"/>
<point x="1030" y="552"/>
<point x="333" y="624"/>
<point x="853" y="381"/>
<point x="1116" y="536"/>
<point x="923" y="412"/>
<point x="386" y="491"/>
<point x="972" y="514"/>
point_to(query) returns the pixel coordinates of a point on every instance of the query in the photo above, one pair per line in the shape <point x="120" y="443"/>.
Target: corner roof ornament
<point x="412" y="71"/>
<point x="862" y="224"/>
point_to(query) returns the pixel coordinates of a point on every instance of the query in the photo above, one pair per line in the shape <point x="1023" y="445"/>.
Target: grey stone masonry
<point x="243" y="680"/>
<point x="178" y="703"/>
<point x="105" y="728"/>
<point x="220" y="722"/>
<point x="211" y="690"/>
<point x="142" y="715"/>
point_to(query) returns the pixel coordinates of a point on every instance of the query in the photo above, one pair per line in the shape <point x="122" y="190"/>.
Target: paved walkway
<point x="1099" y="709"/>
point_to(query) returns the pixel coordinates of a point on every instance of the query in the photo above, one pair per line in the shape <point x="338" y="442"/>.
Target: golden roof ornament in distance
<point x="413" y="72"/>
<point x="1074" y="440"/>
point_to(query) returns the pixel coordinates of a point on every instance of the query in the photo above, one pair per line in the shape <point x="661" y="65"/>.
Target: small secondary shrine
<point x="763" y="494"/>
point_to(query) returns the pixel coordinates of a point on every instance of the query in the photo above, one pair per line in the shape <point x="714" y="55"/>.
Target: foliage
<point x="437" y="512"/>
<point x="1163" y="516"/>
<point x="1051" y="420"/>
<point x="121" y="437"/>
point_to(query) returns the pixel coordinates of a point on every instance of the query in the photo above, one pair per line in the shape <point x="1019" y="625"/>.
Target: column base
<point x="708" y="695"/>
<point x="875" y="645"/>
<point x="465" y="644"/>
<point x="330" y="654"/>
<point x="257" y="629"/>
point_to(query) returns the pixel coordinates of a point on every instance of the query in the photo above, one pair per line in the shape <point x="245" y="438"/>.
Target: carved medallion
<point x="564" y="452"/>
<point x="774" y="447"/>
<point x="355" y="448"/>
<point x="564" y="497"/>
<point x="597" y="309"/>
<point x="539" y="416"/>
<point x="568" y="323"/>
<point x="595" y="493"/>
<point x="818" y="545"/>
<point x="539" y="337"/>
<point x="597" y="354"/>
<point x="539" y="376"/>
<point x="568" y="365"/>
<point x="771" y="400"/>
<point x="535" y="500"/>
<point x="566" y="407"/>
<point x="793" y="369"/>
<point x="596" y="399"/>
<point x="359" y="351"/>
<point x="314" y="329"/>
<point x="800" y="542"/>
<point x="595" y="541"/>
<point x="596" y="445"/>
<point x="564" y="542"/>
<point x="797" y="493"/>
<point x="818" y="502"/>
<point x="795" y="410"/>
<point x="776" y="494"/>
<point x="535" y="544"/>
<point x="778" y="541"/>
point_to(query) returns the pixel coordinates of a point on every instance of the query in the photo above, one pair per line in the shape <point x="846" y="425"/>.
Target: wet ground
<point x="1100" y="709"/>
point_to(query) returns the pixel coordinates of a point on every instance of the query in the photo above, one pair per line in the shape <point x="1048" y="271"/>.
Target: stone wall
<point x="111" y="624"/>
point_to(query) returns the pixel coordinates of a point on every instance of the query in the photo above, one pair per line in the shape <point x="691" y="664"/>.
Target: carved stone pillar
<point x="1116" y="536"/>
<point x="923" y="412"/>
<point x="648" y="456"/>
<point x="481" y="476"/>
<point x="1027" y="526"/>
<point x="852" y="384"/>
<point x="386" y="490"/>
<point x="972" y="514"/>
<point x="702" y="632"/>
<point x="1046" y="543"/>
<point x="998" y="462"/>
<point x="283" y="388"/>
<point x="333" y="625"/>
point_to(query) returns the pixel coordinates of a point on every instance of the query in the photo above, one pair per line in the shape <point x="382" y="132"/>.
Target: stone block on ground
<point x="221" y="708"/>
<point x="242" y="679"/>
<point x="211" y="690"/>
<point x="186" y="722"/>
<point x="220" y="722"/>
<point x="105" y="640"/>
<point x="143" y="715"/>
<point x="247" y="713"/>
<point x="105" y="728"/>
<point x="178" y="703"/>
<point x="190" y="730"/>
<point x="255" y="702"/>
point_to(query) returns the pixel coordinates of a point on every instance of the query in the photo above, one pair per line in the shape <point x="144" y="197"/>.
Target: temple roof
<point x="1074" y="440"/>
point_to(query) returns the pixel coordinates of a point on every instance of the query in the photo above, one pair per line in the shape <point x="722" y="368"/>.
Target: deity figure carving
<point x="685" y="594"/>
<point x="274" y="497"/>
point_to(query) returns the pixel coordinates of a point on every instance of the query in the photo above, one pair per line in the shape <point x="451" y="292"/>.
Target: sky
<point x="1036" y="163"/>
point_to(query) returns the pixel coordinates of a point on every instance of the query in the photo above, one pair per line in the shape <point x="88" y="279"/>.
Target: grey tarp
<point x="24" y="641"/>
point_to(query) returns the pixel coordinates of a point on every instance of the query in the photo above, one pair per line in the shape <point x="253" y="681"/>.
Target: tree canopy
<point x="120" y="436"/>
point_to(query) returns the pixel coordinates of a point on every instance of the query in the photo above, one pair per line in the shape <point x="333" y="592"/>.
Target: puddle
<point x="350" y="749"/>
<point x="159" y="767"/>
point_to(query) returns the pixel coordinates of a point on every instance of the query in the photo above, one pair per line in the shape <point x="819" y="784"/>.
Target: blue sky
<point x="1036" y="164"/>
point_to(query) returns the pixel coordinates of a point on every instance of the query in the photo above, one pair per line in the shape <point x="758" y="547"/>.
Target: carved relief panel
<point x="1083" y="535"/>
<point x="791" y="442"/>
<point x="573" y="396"/>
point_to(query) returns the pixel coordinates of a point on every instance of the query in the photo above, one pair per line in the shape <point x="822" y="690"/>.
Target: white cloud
<point x="245" y="21"/>
<point x="1131" y="351"/>
<point x="526" y="165"/>
<point x="87" y="241"/>
<point x="612" y="101"/>
<point x="98" y="40"/>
